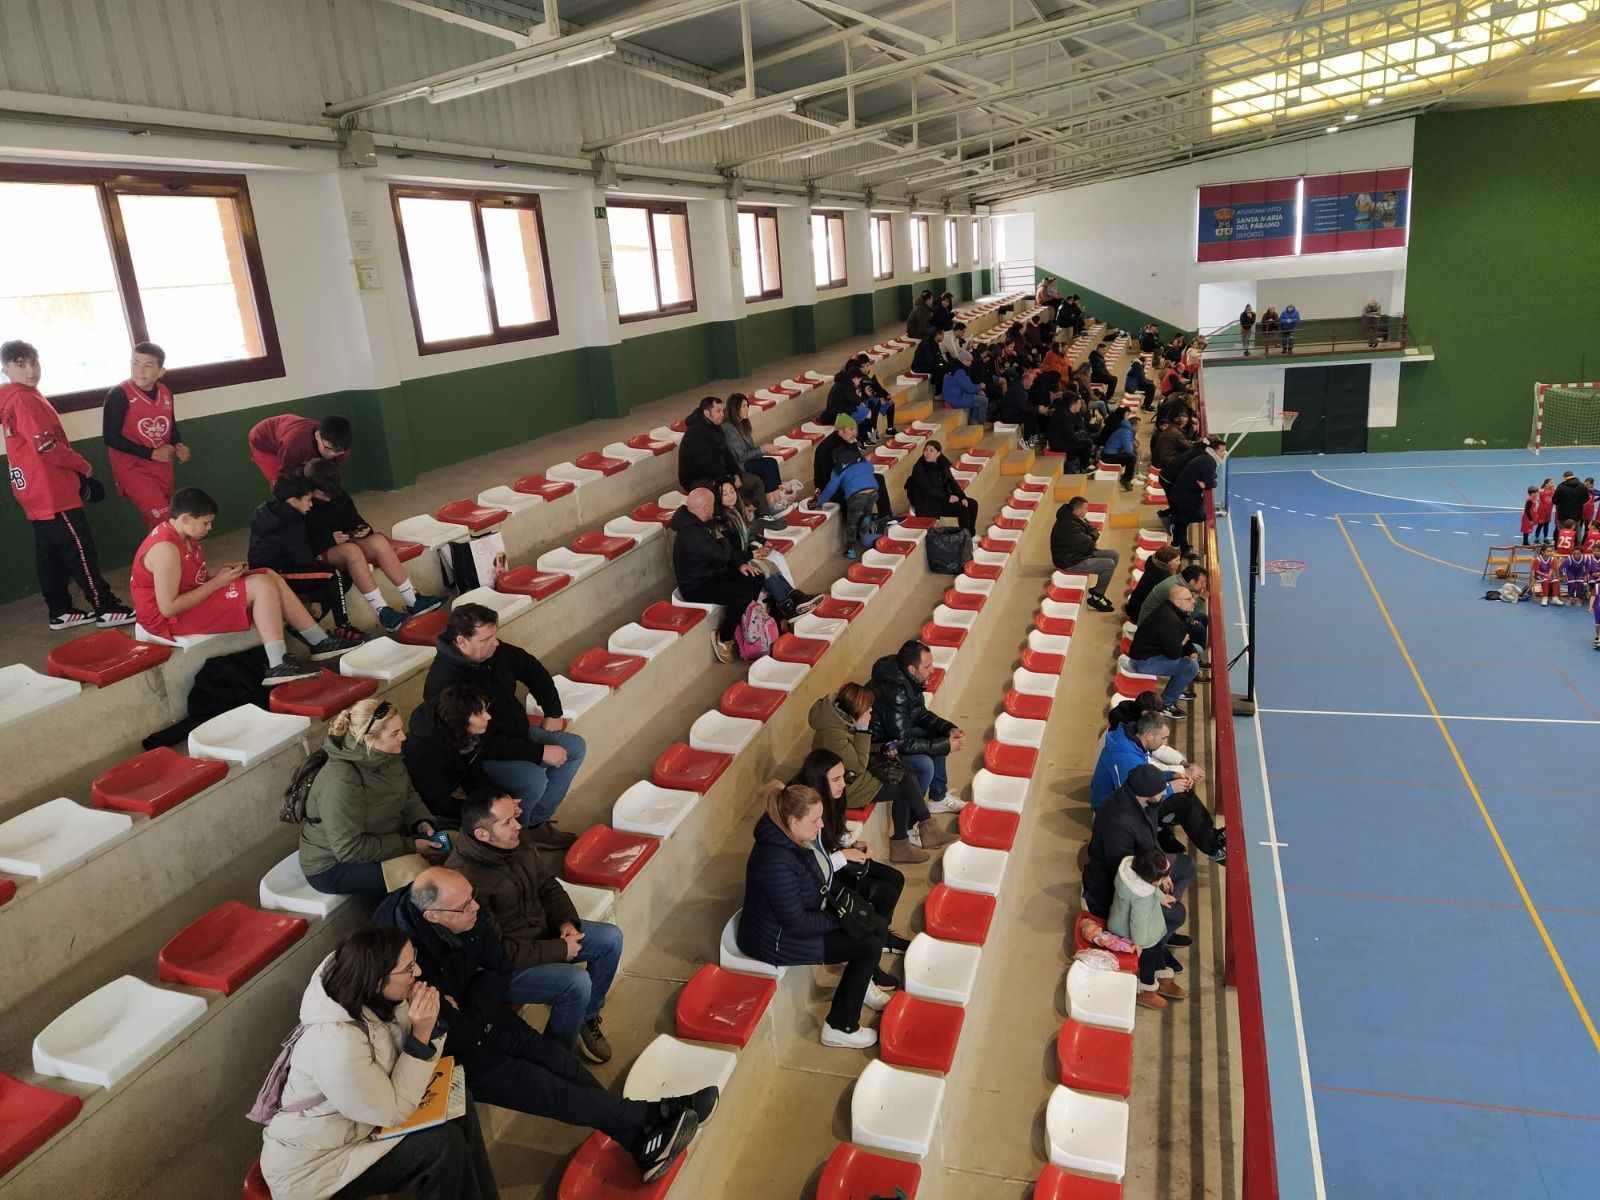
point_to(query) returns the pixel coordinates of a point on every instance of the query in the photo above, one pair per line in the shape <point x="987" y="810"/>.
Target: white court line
<point x="1312" y="1137"/>
<point x="1570" y="462"/>
<point x="1329" y="712"/>
<point x="1454" y="506"/>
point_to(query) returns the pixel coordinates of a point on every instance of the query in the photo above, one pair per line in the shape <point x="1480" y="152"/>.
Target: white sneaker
<point x="877" y="999"/>
<point x="914" y="836"/>
<point x="948" y="803"/>
<point x="861" y="1039"/>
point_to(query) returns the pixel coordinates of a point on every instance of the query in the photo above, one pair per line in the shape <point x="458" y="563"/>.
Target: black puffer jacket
<point x="1072" y="539"/>
<point x="438" y="768"/>
<point x="899" y="714"/>
<point x="507" y="736"/>
<point x="927" y="357"/>
<point x="335" y="514"/>
<point x="703" y="455"/>
<point x="278" y="540"/>
<point x="930" y="486"/>
<point x="701" y="550"/>
<point x="1122" y="827"/>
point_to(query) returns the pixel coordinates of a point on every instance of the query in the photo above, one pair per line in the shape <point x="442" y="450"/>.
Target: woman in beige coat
<point x="361" y="1059"/>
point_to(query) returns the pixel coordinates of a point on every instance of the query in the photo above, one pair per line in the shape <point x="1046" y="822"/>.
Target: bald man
<point x="711" y="569"/>
<point x="1162" y="646"/>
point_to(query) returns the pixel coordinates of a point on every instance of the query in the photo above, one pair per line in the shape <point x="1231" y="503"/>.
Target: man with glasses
<point x="507" y="1063"/>
<point x="535" y="761"/>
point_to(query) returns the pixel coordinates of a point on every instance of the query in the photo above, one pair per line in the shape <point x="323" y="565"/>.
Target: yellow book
<point x="444" y="1099"/>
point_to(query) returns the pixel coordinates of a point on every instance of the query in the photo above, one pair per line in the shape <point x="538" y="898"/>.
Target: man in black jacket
<point x="534" y="761"/>
<point x="703" y="454"/>
<point x="1570" y="498"/>
<point x="507" y="1063"/>
<point x="710" y="569"/>
<point x="279" y="542"/>
<point x="1126" y="826"/>
<point x="1074" y="546"/>
<point x="928" y="359"/>
<point x="1161" y="646"/>
<point x="1191" y="477"/>
<point x="903" y="725"/>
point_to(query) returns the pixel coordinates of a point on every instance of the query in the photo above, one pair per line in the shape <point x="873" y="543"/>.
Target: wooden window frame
<point x="651" y="209"/>
<point x="478" y="198"/>
<point x="921" y="239"/>
<point x="763" y="214"/>
<point x="110" y="184"/>
<point x="884" y="222"/>
<point x="829" y="216"/>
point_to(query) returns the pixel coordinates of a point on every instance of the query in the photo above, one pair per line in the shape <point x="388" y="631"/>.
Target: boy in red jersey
<point x="283" y="444"/>
<point x="1530" y="513"/>
<point x="140" y="431"/>
<point x="50" y="480"/>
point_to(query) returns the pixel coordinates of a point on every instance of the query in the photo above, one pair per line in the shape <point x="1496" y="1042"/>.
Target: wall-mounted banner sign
<point x="1247" y="220"/>
<point x="1355" y="210"/>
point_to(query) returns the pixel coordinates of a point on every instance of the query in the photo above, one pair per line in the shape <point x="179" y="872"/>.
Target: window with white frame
<point x="650" y="258"/>
<point x="882" y="246"/>
<point x="828" y="262"/>
<point x="920" y="249"/>
<point x="758" y="253"/>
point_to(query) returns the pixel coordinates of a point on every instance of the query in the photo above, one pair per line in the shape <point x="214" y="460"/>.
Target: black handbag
<point x="856" y="915"/>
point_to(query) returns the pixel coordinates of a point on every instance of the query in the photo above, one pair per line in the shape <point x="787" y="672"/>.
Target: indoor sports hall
<point x="835" y="599"/>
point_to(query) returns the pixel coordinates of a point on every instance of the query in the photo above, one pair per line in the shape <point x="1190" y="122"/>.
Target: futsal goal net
<point x="1565" y="414"/>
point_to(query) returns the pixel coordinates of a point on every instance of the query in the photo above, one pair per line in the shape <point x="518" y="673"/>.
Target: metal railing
<point x="1387" y="333"/>
<point x="1016" y="276"/>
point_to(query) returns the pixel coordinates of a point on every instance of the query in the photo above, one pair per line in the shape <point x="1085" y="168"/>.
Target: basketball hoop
<point x="1286" y="420"/>
<point x="1286" y="569"/>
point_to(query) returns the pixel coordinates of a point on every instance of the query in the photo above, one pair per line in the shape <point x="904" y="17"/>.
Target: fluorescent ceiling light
<point x="717" y="122"/>
<point x="1350" y="116"/>
<point x="572" y="56"/>
<point x="1374" y="101"/>
<point x="896" y="164"/>
<point x="940" y="173"/>
<point x="1457" y="42"/>
<point x="1333" y="129"/>
<point x="812" y="149"/>
<point x="1409" y="76"/>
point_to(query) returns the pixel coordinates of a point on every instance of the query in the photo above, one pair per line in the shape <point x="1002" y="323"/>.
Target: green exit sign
<point x="600" y="212"/>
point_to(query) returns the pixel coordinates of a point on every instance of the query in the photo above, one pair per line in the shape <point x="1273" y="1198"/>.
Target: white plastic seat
<point x="576" y="698"/>
<point x="1069" y="579"/>
<point x="768" y="395"/>
<point x="113" y="1031"/>
<point x="907" y="533"/>
<point x="669" y="1067"/>
<point x="973" y="462"/>
<point x="887" y="562"/>
<point x="895" y="1109"/>
<point x="1058" y="610"/>
<point x="989" y="558"/>
<point x="1005" y="428"/>
<point x="193" y="641"/>
<point x="926" y="429"/>
<point x="722" y="734"/>
<point x="566" y="472"/>
<point x="386" y="659"/>
<point x="816" y="427"/>
<point x="893" y="452"/>
<point x="24" y="691"/>
<point x="506" y="605"/>
<point x="284" y="889"/>
<point x="1045" y="480"/>
<point x="639" y="531"/>
<point x="954" y="618"/>
<point x="796" y="533"/>
<point x="940" y="970"/>
<point x="781" y="676"/>
<point x="1006" y="792"/>
<point x="628" y="454"/>
<point x="1048" y="643"/>
<point x="944" y="657"/>
<point x="1087" y="1133"/>
<point x="1125" y="667"/>
<point x="963" y="477"/>
<point x="1018" y="731"/>
<point x="791" y="443"/>
<point x="1003" y="535"/>
<point x="1104" y="998"/>
<point x="665" y="433"/>
<point x="1017" y="514"/>
<point x="56" y="836"/>
<point x="974" y="868"/>
<point x="677" y="598"/>
<point x="651" y="810"/>
<point x="1034" y="683"/>
<point x="843" y="589"/>
<point x="973" y="587"/>
<point x="246" y="735"/>
<point x="672" y="500"/>
<point x="592" y="903"/>
<point x="633" y="638"/>
<point x="565" y="562"/>
<point x="430" y="531"/>
<point x="508" y="498"/>
<point x="731" y="958"/>
<point x="824" y="629"/>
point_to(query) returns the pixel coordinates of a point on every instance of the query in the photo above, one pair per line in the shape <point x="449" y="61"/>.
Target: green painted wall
<point x="889" y="305"/>
<point x="1503" y="271"/>
<point x="1105" y="308"/>
<point x="831" y="320"/>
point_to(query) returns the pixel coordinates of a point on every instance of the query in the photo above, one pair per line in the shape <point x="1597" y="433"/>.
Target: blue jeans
<point x="573" y="994"/>
<point x="978" y="414"/>
<point x="539" y="789"/>
<point x="930" y="773"/>
<point x="1182" y="672"/>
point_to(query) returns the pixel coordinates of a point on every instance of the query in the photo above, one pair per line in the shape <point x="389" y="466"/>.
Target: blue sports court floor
<point x="1420" y="792"/>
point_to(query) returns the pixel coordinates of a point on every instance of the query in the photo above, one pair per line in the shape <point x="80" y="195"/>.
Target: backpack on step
<point x="756" y="633"/>
<point x="869" y="531"/>
<point x="948" y="548"/>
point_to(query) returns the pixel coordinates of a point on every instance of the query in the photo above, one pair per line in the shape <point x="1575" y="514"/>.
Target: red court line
<point x="1505" y="1108"/>
<point x="1575" y="691"/>
<point x="1305" y="891"/>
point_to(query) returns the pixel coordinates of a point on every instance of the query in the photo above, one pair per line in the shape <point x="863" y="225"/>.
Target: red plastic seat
<point x="852" y="1173"/>
<point x="8" y="889"/>
<point x="991" y="828"/>
<point x="1056" y="626"/>
<point x="29" y="1117"/>
<point x="996" y="545"/>
<point x="643" y="441"/>
<point x="255" y="1184"/>
<point x="600" y="1169"/>
<point x="1030" y="501"/>
<point x="1027" y="705"/>
<point x="105" y="657"/>
<point x="1056" y="1184"/>
<point x="321" y="697"/>
<point x="919" y="522"/>
<point x="723" y="1006"/>
<point x="405" y="550"/>
<point x="606" y="857"/>
<point x="760" y="404"/>
<point x="780" y="389"/>
<point x="227" y="946"/>
<point x="942" y="635"/>
<point x="782" y="453"/>
<point x="782" y="545"/>
<point x="860" y="573"/>
<point x="423" y="630"/>
<point x="664" y="614"/>
<point x="935" y="678"/>
<point x="603" y="544"/>
<point x="1092" y="1059"/>
<point x="156" y="781"/>
<point x="919" y="1033"/>
<point x="537" y="485"/>
<point x="752" y="703"/>
<point x="530" y="581"/>
<point x="682" y="767"/>
<point x="1125" y="962"/>
<point x="476" y="517"/>
<point x="604" y="463"/>
<point x="1065" y="595"/>
<point x="652" y="512"/>
<point x="1010" y="760"/>
<point x="978" y="570"/>
<point x="801" y="516"/>
<point x="789" y="648"/>
<point x="1010" y="523"/>
<point x="681" y="425"/>
<point x="1031" y="487"/>
<point x="810" y="435"/>
<point x="861" y="815"/>
<point x="601" y="666"/>
<point x="879" y="459"/>
<point x="840" y="610"/>
<point x="892" y="546"/>
<point x="969" y="601"/>
<point x="1045" y="664"/>
<point x="955" y="916"/>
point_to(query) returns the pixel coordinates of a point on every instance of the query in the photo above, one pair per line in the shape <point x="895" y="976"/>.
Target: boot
<point x="902" y="851"/>
<point x="932" y="836"/>
<point x="1150" y="999"/>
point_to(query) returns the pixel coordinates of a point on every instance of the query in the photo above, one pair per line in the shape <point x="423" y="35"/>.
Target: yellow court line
<point x="1444" y="562"/>
<point x="1483" y="809"/>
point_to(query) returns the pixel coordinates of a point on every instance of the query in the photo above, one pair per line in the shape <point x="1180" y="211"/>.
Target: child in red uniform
<point x="283" y="444"/>
<point x="1546" y="568"/>
<point x="1546" y="510"/>
<point x="1530" y="513"/>
<point x="49" y="479"/>
<point x="140" y="430"/>
<point x="177" y="595"/>
<point x="1567" y="539"/>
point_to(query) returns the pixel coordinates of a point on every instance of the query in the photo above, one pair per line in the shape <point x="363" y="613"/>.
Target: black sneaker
<point x="70" y="619"/>
<point x="335" y="644"/>
<point x="660" y="1144"/>
<point x="806" y="602"/>
<point x="895" y="943"/>
<point x="891" y="432"/>
<point x="1220" y="854"/>
<point x="288" y="671"/>
<point x="593" y="1042"/>
<point x="702" y="1104"/>
<point x="1098" y="602"/>
<point x="116" y="613"/>
<point x="1179" y="939"/>
<point x="885" y="981"/>
<point x="1176" y="711"/>
<point x="1169" y="842"/>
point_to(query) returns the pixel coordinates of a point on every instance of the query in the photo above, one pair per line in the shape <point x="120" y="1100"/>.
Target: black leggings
<point x="446" y="1162"/>
<point x="734" y="593"/>
<point x="906" y="805"/>
<point x="963" y="510"/>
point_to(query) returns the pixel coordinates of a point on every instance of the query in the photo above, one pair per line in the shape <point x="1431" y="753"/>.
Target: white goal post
<point x="1565" y="414"/>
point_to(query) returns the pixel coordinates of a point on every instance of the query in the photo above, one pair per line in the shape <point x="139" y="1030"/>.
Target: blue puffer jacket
<point x="1121" y="440"/>
<point x="960" y="389"/>
<point x="858" y="476"/>
<point x="783" y="919"/>
<point x="1119" y="754"/>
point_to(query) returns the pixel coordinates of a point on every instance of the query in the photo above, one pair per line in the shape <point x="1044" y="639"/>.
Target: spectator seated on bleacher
<point x="1124" y="828"/>
<point x="845" y="432"/>
<point x="1100" y="374"/>
<point x="508" y="1063"/>
<point x="855" y="485"/>
<point x="555" y="958"/>
<point x="1138" y="382"/>
<point x="928" y="359"/>
<point x="848" y="397"/>
<point x="365" y="822"/>
<point x="877" y="397"/>
<point x="799" y="909"/>
<point x="953" y="344"/>
<point x="961" y="391"/>
<point x="841" y="727"/>
<point x="736" y="513"/>
<point x="825" y="773"/>
<point x="176" y="595"/>
<point x="279" y="542"/>
<point x="920" y="319"/>
<point x="1170" y="441"/>
<point x="756" y="467"/>
<point x="1160" y="567"/>
<point x="932" y="489"/>
<point x="1122" y="448"/>
<point x="903" y="727"/>
<point x="283" y="444"/>
<point x="342" y="538"/>
<point x="1161" y="646"/>
<point x="1144" y="742"/>
<point x="944" y="312"/>
<point x="444" y="748"/>
<point x="710" y="567"/>
<point x="703" y="454"/>
<point x="360" y="1059"/>
<point x="1074" y="546"/>
<point x="1198" y="582"/>
<point x="1013" y="407"/>
<point x="1071" y="313"/>
<point x="1068" y="434"/>
<point x="534" y="760"/>
<point x="1138" y="913"/>
<point x="1174" y="384"/>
